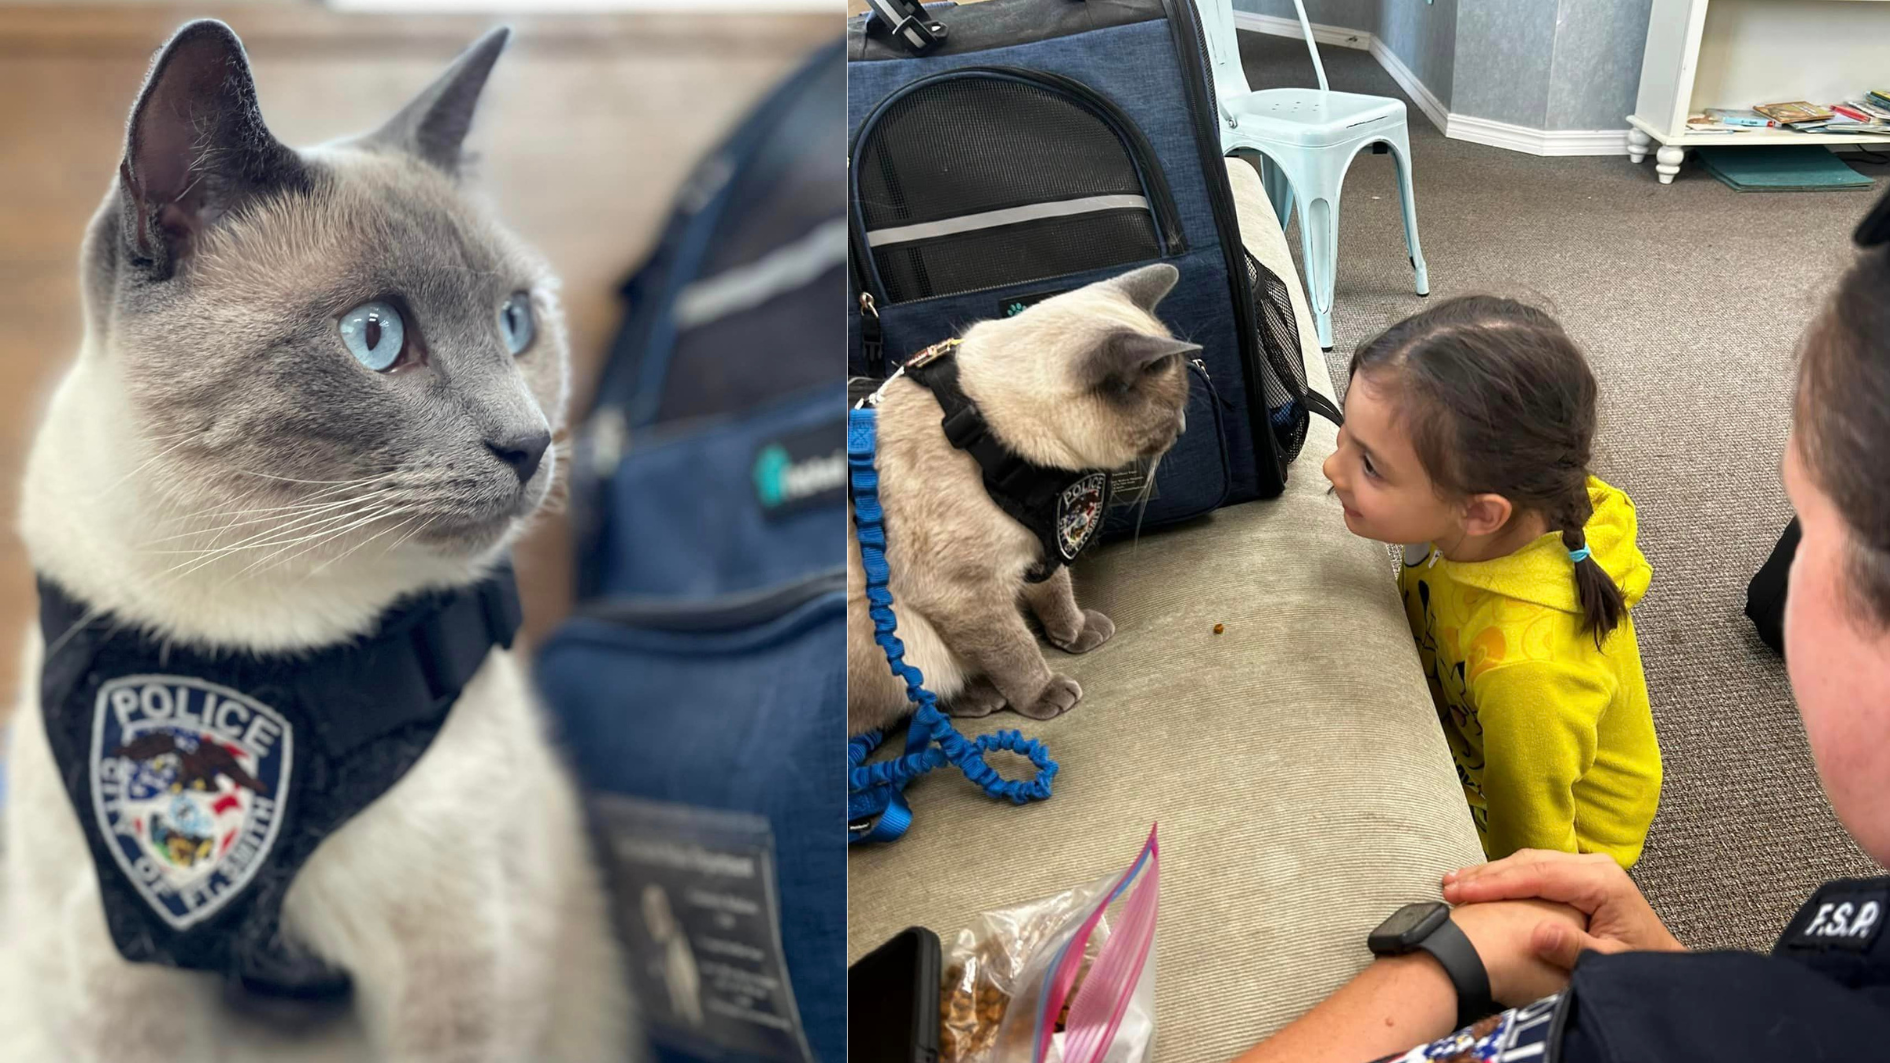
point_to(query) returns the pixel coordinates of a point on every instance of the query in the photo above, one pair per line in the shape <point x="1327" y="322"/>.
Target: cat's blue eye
<point x="516" y="324"/>
<point x="375" y="334"/>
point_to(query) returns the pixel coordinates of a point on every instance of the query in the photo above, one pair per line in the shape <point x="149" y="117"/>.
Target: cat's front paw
<point x="979" y="698"/>
<point x="1097" y="630"/>
<point x="1056" y="699"/>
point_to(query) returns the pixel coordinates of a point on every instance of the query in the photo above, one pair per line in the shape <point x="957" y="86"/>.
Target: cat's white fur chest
<point x="463" y="901"/>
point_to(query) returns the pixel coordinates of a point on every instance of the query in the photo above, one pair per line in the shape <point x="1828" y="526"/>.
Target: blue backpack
<point x="1003" y="152"/>
<point x="700" y="685"/>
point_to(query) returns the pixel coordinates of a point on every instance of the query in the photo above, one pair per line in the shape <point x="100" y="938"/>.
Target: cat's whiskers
<point x="350" y="551"/>
<point x="182" y="509"/>
<point x="94" y="496"/>
<point x="317" y="540"/>
<point x="277" y="527"/>
<point x="416" y="530"/>
<point x="334" y="526"/>
<point x="270" y="513"/>
<point x="1141" y="507"/>
<point x="341" y="486"/>
<point x="293" y="480"/>
<point x="359" y="491"/>
<point x="313" y="527"/>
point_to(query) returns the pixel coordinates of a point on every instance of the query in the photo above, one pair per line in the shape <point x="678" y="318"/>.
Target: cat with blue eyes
<point x="314" y="383"/>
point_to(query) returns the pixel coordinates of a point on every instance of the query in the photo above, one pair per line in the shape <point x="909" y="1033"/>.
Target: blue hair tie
<point x="1579" y="556"/>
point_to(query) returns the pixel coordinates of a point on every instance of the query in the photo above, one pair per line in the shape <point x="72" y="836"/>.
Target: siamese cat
<point x="1089" y="379"/>
<point x="314" y="383"/>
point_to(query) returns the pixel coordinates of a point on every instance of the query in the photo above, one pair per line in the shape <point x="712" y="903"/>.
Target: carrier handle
<point x="908" y="24"/>
<point x="910" y="27"/>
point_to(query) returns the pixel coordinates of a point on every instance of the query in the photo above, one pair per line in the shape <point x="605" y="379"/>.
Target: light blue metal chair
<point x="1305" y="140"/>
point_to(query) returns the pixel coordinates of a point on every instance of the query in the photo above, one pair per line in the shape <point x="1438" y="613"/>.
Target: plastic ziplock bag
<point x="1065" y="979"/>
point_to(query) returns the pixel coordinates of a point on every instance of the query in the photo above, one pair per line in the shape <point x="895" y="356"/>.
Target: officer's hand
<point x="1619" y="918"/>
<point x="1502" y="932"/>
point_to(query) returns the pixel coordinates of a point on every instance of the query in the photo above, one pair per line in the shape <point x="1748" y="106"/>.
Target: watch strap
<point x="1452" y="949"/>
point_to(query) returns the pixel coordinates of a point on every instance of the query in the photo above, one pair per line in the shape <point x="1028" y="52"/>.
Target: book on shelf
<point x="1733" y="116"/>
<point x="1878" y="97"/>
<point x="1700" y="123"/>
<point x="1870" y="108"/>
<point x="1795" y="112"/>
<point x="1844" y="129"/>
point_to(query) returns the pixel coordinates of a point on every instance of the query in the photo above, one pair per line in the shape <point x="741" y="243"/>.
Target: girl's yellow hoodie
<point x="1553" y="738"/>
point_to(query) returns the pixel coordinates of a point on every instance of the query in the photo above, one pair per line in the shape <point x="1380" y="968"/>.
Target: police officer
<point x="1572" y="933"/>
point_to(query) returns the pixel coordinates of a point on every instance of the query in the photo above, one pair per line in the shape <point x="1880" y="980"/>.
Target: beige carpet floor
<point x="1689" y="298"/>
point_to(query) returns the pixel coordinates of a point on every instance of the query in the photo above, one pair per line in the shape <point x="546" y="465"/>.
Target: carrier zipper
<point x="1208" y="379"/>
<point x="1183" y="18"/>
<point x="871" y="347"/>
<point x="1147" y="167"/>
<point x="724" y="613"/>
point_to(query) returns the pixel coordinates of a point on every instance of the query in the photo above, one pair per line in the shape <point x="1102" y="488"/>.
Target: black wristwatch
<point x="1427" y="926"/>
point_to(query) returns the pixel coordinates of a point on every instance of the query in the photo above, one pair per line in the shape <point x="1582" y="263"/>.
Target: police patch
<point x="188" y="781"/>
<point x="1079" y="513"/>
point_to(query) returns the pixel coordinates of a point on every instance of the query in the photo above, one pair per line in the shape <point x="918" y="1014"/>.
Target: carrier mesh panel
<point x="1014" y="254"/>
<point x="973" y="144"/>
<point x="1284" y="380"/>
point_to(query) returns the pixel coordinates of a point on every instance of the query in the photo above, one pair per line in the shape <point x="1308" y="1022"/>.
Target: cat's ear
<point x="1126" y="353"/>
<point x="1145" y="287"/>
<point x="196" y="147"/>
<point x="434" y="123"/>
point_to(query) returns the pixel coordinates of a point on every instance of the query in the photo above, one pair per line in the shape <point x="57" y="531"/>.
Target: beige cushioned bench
<point x="1294" y="762"/>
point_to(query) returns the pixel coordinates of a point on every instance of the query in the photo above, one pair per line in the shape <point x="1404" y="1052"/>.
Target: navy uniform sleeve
<point x="1716" y="1007"/>
<point x="1824" y="993"/>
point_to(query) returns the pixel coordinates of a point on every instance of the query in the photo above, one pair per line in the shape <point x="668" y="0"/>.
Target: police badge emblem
<point x="1079" y="513"/>
<point x="188" y="783"/>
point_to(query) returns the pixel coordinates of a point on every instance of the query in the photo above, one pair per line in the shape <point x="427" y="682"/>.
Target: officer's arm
<point x="1395" y="1003"/>
<point x="1403" y="1001"/>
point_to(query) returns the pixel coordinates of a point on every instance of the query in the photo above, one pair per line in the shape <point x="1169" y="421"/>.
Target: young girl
<point x="1467" y="430"/>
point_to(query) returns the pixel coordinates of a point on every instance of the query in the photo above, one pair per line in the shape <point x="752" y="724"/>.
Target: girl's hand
<point x="1619" y="919"/>
<point x="1503" y="933"/>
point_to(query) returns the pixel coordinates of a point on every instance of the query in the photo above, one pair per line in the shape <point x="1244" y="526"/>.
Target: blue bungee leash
<point x="876" y="805"/>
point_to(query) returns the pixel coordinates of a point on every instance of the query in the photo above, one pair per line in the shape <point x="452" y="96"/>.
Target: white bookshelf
<point x="1736" y="53"/>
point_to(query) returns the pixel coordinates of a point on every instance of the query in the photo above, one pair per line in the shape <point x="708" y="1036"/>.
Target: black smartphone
<point x="892" y="1001"/>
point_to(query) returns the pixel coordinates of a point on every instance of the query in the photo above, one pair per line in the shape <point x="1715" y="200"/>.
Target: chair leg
<point x="1279" y="190"/>
<point x="1407" y="195"/>
<point x="1319" y="249"/>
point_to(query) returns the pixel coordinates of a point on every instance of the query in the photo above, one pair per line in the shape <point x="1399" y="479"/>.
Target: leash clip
<point x="931" y="354"/>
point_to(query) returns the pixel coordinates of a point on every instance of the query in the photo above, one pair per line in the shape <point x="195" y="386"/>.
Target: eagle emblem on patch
<point x="1079" y="513"/>
<point x="188" y="782"/>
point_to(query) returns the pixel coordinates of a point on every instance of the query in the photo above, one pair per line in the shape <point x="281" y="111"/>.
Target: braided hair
<point x="1499" y="400"/>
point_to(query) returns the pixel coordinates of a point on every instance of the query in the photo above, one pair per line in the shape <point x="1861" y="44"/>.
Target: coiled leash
<point x="876" y="804"/>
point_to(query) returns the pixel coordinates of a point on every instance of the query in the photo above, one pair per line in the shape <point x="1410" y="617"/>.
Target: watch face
<point x="1406" y="919"/>
<point x="1407" y="927"/>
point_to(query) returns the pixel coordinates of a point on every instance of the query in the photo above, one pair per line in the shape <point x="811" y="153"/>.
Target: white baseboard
<point x="1536" y="141"/>
<point x="1456" y="126"/>
<point x="1276" y="26"/>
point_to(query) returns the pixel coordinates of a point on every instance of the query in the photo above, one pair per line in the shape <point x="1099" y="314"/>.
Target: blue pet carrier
<point x="700" y="685"/>
<point x="1003" y="152"/>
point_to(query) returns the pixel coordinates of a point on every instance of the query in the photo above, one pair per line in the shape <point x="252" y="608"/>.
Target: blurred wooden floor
<point x="586" y="128"/>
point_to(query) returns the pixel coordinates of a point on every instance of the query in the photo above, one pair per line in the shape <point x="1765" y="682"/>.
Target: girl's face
<point x="1839" y="660"/>
<point x="1376" y="473"/>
